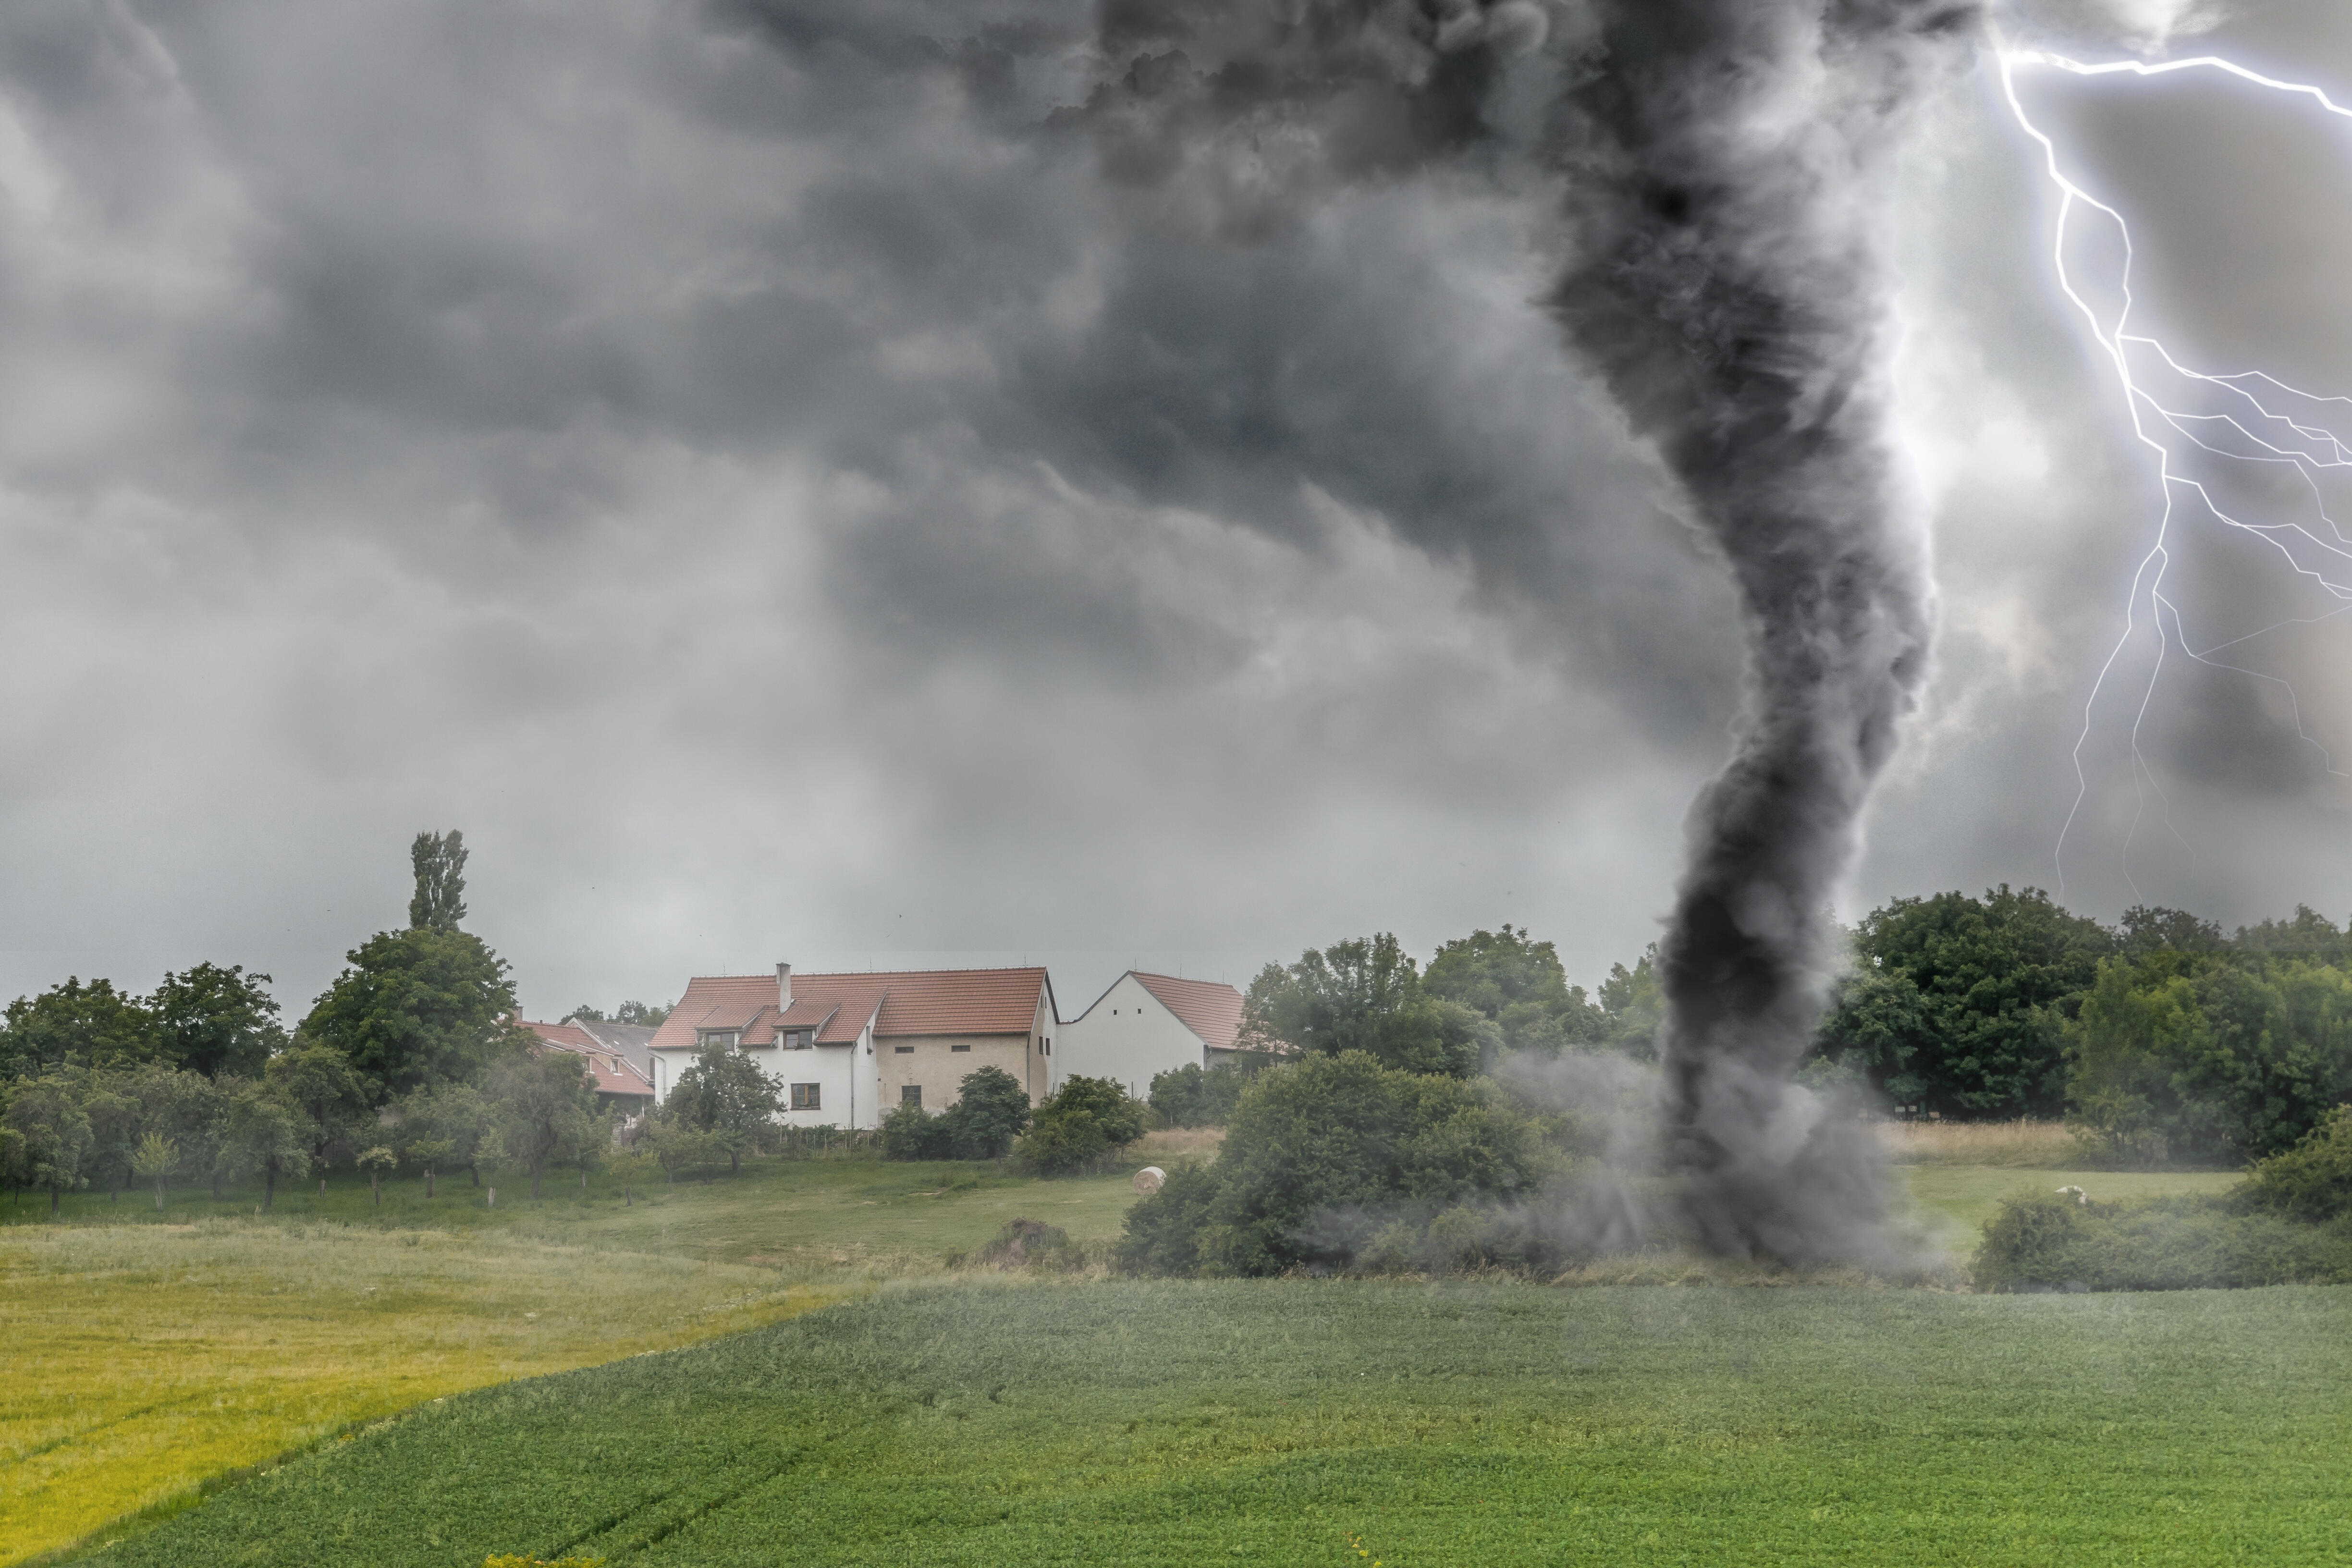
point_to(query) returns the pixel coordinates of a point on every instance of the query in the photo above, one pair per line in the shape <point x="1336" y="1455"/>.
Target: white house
<point x="847" y="1050"/>
<point x="1149" y="1024"/>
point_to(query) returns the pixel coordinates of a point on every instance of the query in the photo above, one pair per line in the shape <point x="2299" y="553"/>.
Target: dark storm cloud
<point x="755" y="470"/>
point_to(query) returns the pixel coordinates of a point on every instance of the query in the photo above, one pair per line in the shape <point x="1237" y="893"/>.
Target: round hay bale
<point x="1148" y="1180"/>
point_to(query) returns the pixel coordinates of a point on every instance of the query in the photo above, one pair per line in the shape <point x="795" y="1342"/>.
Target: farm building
<point x="1151" y="1023"/>
<point x="846" y="1050"/>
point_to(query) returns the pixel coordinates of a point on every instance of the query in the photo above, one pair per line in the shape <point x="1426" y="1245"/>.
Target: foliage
<point x="53" y="1138"/>
<point x="263" y="1130"/>
<point x="1023" y="1244"/>
<point x="318" y="1082"/>
<point x="439" y="861"/>
<point x="2311" y="1181"/>
<point x="418" y="1008"/>
<point x="2305" y="934"/>
<point x="1078" y="1126"/>
<point x="545" y="1103"/>
<point x="1191" y="1096"/>
<point x="1324" y="1157"/>
<point x="1365" y="995"/>
<point x="1957" y="1005"/>
<point x="991" y="1111"/>
<point x="213" y="1020"/>
<point x="726" y="1095"/>
<point x="77" y="1025"/>
<point x="2208" y="1058"/>
<point x="2056" y="1241"/>
<point x="643" y="1014"/>
<point x="1517" y="984"/>
<point x="1633" y="1006"/>
<point x="155" y="1159"/>
<point x="453" y="1123"/>
<point x="911" y="1132"/>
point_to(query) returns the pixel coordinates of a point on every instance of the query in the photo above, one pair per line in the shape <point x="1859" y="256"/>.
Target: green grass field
<point x="1458" y="1423"/>
<point x="152" y="1352"/>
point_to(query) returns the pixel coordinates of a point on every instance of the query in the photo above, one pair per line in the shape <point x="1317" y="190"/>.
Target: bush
<point x="2054" y="1241"/>
<point x="2313" y="1181"/>
<point x="1025" y="1243"/>
<point x="1337" y="1162"/>
<point x="1080" y="1127"/>
<point x="991" y="1109"/>
<point x="1191" y="1097"/>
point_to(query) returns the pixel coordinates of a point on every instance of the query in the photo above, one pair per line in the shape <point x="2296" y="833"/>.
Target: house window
<point x="707" y="1038"/>
<point x="960" y="1048"/>
<point x="804" y="1097"/>
<point x="911" y="1094"/>
<point x="904" y="1050"/>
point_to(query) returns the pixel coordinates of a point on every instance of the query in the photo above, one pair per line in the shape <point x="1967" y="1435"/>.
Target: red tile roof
<point x="933" y="1001"/>
<point x="614" y="1073"/>
<point x="1210" y="1008"/>
<point x="722" y="1002"/>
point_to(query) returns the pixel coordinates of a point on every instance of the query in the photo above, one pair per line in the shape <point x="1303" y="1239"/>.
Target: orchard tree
<point x="213" y="1020"/>
<point x="725" y="1095"/>
<point x="53" y="1138"/>
<point x="545" y="1103"/>
<point x="263" y="1130"/>
<point x="326" y="1092"/>
<point x="155" y="1159"/>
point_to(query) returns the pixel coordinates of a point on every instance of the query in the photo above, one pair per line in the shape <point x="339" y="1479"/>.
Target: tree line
<point x="411" y="1058"/>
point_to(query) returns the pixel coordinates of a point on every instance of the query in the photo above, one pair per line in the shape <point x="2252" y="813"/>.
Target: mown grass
<point x="144" y="1360"/>
<point x="1456" y="1423"/>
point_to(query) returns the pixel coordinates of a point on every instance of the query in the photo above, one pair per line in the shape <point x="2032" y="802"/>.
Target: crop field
<point x="146" y="1360"/>
<point x="157" y="1351"/>
<point x="1292" y="1421"/>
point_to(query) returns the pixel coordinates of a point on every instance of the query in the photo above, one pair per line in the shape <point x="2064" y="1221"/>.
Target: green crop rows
<point x="1463" y="1423"/>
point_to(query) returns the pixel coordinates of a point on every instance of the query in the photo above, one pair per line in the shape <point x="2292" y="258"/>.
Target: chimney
<point x="783" y="986"/>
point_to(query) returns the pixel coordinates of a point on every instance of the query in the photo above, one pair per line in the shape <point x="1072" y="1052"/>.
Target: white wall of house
<point x="830" y="1070"/>
<point x="1128" y="1037"/>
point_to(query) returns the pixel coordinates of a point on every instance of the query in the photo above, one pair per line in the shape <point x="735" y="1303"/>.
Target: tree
<point x="1079" y="1125"/>
<point x="1191" y="1096"/>
<point x="643" y="1014"/>
<point x="114" y="1125"/>
<point x="418" y="1008"/>
<point x="1518" y="985"/>
<point x="2306" y="934"/>
<point x="377" y="1162"/>
<point x="725" y="1095"/>
<point x="630" y="1166"/>
<point x="439" y="901"/>
<point x="2146" y="928"/>
<point x="991" y="1111"/>
<point x="545" y="1103"/>
<point x="52" y="1131"/>
<point x="155" y="1158"/>
<point x="676" y="1145"/>
<point x="911" y="1132"/>
<point x="1633" y="1006"/>
<point x="264" y="1132"/>
<point x="329" y="1095"/>
<point x="1366" y="994"/>
<point x="452" y="1122"/>
<point x="213" y="1020"/>
<point x="1996" y="978"/>
<point x="76" y="1024"/>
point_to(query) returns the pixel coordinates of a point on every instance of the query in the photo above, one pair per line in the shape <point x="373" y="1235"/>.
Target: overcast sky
<point x="760" y="476"/>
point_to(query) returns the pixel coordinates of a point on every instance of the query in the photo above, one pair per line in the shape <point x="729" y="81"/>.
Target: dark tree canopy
<point x="216" y="1020"/>
<point x="1519" y="984"/>
<point x="416" y="1007"/>
<point x="2306" y="934"/>
<point x="1366" y="994"/>
<point x="2152" y="929"/>
<point x="89" y="1026"/>
<point x="725" y="1095"/>
<point x="439" y="902"/>
<point x="1958" y="1006"/>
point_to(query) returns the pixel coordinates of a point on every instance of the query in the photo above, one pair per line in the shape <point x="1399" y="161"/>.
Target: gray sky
<point x="766" y="484"/>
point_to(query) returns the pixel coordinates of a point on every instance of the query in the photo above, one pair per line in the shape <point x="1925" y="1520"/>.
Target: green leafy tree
<point x="677" y="1145"/>
<point x="263" y="1130"/>
<point x="643" y="1014"/>
<point x="911" y="1132"/>
<point x="2146" y="928"/>
<point x="1633" y="1006"/>
<point x="439" y="861"/>
<point x="325" y="1090"/>
<point x="53" y="1137"/>
<point x="1365" y="995"/>
<point x="213" y="1020"/>
<point x="78" y="1025"/>
<point x="378" y="1162"/>
<point x="452" y="1122"/>
<point x="1517" y="984"/>
<point x="725" y="1096"/>
<point x="1079" y="1126"/>
<point x="545" y="1104"/>
<point x="991" y="1111"/>
<point x="2305" y="934"/>
<point x="1324" y="1155"/>
<point x="632" y="1165"/>
<point x="1193" y="1096"/>
<point x="417" y="1007"/>
<point x="2311" y="1181"/>
<point x="1997" y="980"/>
<point x="115" y="1125"/>
<point x="155" y="1159"/>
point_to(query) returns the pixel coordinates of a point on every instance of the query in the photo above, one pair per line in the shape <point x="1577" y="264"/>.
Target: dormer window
<point x="715" y="1039"/>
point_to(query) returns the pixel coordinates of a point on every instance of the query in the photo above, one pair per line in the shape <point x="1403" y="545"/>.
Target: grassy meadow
<point x="155" y="1351"/>
<point x="1486" y="1421"/>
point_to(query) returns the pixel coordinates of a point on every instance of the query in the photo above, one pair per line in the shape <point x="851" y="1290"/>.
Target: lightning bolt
<point x="2180" y="413"/>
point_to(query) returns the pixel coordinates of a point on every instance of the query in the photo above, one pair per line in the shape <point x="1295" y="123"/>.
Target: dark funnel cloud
<point x="1715" y="160"/>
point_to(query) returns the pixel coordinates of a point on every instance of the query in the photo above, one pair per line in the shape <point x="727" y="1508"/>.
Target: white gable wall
<point x="1128" y="1037"/>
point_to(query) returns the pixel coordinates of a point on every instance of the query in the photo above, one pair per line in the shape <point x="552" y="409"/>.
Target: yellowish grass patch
<point x="1199" y="1144"/>
<point x="2022" y="1144"/>
<point x="145" y="1358"/>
